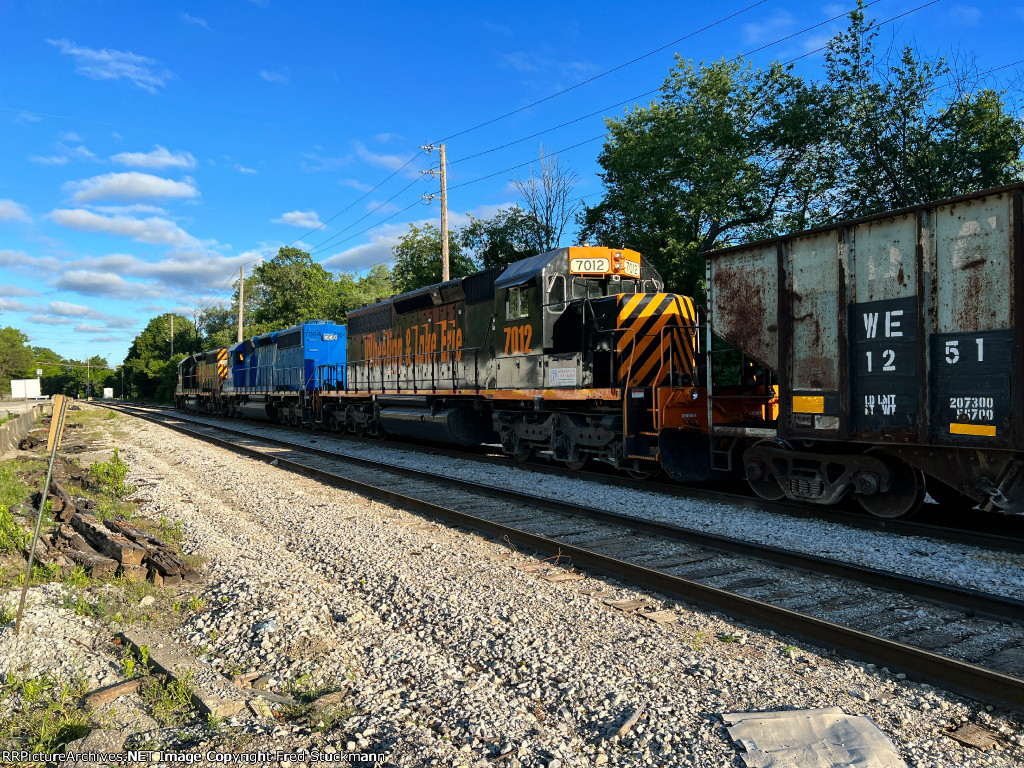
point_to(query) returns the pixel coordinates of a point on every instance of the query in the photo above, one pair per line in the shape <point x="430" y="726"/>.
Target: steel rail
<point x="958" y="676"/>
<point x="962" y="598"/>
<point x="968" y="537"/>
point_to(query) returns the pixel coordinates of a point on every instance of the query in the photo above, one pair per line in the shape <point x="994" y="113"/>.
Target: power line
<point x="603" y="74"/>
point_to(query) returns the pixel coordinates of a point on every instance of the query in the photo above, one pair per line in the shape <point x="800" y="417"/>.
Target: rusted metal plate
<point x="744" y="302"/>
<point x="883" y="260"/>
<point x="973" y="270"/>
<point x="972" y="735"/>
<point x="814" y="296"/>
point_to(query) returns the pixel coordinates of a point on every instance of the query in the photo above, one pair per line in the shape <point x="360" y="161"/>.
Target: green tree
<point x="728" y="149"/>
<point x="149" y="367"/>
<point x="289" y="289"/>
<point x="418" y="258"/>
<point x="547" y="196"/>
<point x="354" y="292"/>
<point x="908" y="131"/>
<point x="510" y="235"/>
<point x="16" y="357"/>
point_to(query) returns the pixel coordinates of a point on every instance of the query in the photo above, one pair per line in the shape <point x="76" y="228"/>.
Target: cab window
<point x="582" y="288"/>
<point x="556" y="293"/>
<point x="516" y="305"/>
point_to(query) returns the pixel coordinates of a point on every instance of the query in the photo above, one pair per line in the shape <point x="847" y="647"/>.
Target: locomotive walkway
<point x="962" y="640"/>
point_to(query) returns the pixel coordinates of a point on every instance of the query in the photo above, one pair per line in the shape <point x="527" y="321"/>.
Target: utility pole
<point x="445" y="273"/>
<point x="241" y="299"/>
<point x="172" y="335"/>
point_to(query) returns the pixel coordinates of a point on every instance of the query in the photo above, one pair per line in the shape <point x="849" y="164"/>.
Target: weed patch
<point x="45" y="712"/>
<point x="12" y="537"/>
<point x="12" y="489"/>
<point x="108" y="477"/>
<point x="170" y="704"/>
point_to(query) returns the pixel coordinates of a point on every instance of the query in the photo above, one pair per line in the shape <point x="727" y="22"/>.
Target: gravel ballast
<point x="447" y="654"/>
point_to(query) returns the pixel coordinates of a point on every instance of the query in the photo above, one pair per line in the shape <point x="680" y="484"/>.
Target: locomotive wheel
<point x="905" y="495"/>
<point x="580" y="464"/>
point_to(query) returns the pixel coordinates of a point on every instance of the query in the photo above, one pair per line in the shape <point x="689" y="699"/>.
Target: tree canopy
<point x="418" y="258"/>
<point x="731" y="152"/>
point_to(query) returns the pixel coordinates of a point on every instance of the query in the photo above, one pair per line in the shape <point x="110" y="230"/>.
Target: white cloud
<point x="108" y="339"/>
<point x="129" y="186"/>
<point x="243" y="169"/>
<point x="322" y="163"/>
<point x="133" y="208"/>
<point x="274" y="77"/>
<point x="47" y="320"/>
<point x="391" y="162"/>
<point x="305" y="219"/>
<point x="103" y="284"/>
<point x="86" y="328"/>
<point x="195" y="20"/>
<point x="30" y="265"/>
<point x="498" y="29"/>
<point x="160" y="157"/>
<point x="27" y="117"/>
<point x="384" y="138"/>
<point x="67" y="309"/>
<point x="153" y="230"/>
<point x="109" y="64"/>
<point x="64" y="155"/>
<point x="381" y="206"/>
<point x="13" y="305"/>
<point x="50" y="160"/>
<point x="191" y="271"/>
<point x="16" y="290"/>
<point x="69" y="136"/>
<point x="13" y="211"/>
<point x="355" y="184"/>
<point x="966" y="15"/>
<point x="386" y="236"/>
<point x="771" y="27"/>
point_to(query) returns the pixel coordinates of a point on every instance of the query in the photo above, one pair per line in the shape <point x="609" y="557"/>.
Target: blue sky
<point x="150" y="149"/>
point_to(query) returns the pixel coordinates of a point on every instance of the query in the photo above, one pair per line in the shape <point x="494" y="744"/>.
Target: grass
<point x="45" y="712"/>
<point x="8" y="613"/>
<point x="108" y="477"/>
<point x="170" y="704"/>
<point x="12" y="536"/>
<point x="325" y="718"/>
<point x="12" y="489"/>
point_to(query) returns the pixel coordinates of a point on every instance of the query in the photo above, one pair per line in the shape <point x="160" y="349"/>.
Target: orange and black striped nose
<point x="657" y="332"/>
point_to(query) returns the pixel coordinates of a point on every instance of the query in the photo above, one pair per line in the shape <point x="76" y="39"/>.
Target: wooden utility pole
<point x="445" y="271"/>
<point x="172" y="334"/>
<point x="241" y="299"/>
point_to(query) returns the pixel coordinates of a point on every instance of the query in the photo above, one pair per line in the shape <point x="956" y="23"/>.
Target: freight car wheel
<point x="578" y="464"/>
<point x="524" y="455"/>
<point x="642" y="470"/>
<point x="905" y="495"/>
<point x="759" y="477"/>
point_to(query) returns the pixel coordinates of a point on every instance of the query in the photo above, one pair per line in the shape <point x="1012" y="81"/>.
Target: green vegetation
<point x="108" y="477"/>
<point x="45" y="712"/>
<point x="170" y="704"/>
<point x="12" y="537"/>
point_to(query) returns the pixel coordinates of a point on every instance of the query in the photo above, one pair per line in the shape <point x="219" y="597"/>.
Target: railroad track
<point x="959" y="639"/>
<point x="1004" y="533"/>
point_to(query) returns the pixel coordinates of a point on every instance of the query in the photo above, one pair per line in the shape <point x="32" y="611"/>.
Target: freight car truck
<point x="897" y="343"/>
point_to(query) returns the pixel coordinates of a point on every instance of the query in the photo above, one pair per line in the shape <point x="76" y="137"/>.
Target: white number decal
<point x="869" y="361"/>
<point x="981" y="350"/>
<point x="890" y="360"/>
<point x="952" y="353"/>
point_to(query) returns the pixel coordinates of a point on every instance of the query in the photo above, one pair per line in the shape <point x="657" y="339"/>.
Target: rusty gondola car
<point x="898" y="345"/>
